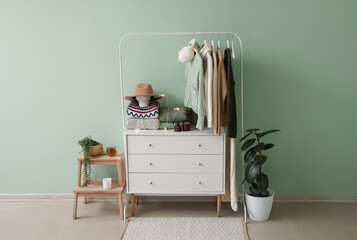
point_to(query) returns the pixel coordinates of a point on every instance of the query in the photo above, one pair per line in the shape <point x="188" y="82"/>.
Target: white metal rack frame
<point x="184" y="33"/>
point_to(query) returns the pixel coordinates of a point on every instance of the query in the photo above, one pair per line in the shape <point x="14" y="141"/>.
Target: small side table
<point x="98" y="191"/>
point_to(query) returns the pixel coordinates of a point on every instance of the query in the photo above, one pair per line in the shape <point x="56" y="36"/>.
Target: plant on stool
<point x="87" y="143"/>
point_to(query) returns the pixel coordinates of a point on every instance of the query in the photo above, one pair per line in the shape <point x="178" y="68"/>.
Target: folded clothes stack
<point x="143" y="117"/>
<point x="170" y="116"/>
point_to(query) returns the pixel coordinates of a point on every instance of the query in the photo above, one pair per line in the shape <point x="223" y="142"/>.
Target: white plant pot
<point x="259" y="208"/>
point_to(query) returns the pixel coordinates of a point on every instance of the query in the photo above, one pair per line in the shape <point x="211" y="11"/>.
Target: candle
<point x="107" y="183"/>
<point x="111" y="151"/>
<point x="186" y="125"/>
<point x="177" y="127"/>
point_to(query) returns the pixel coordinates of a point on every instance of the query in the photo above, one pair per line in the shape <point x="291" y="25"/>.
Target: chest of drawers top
<point x="194" y="131"/>
<point x="170" y="142"/>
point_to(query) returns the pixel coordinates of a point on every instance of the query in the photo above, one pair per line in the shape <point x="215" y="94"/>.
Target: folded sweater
<point x="150" y="123"/>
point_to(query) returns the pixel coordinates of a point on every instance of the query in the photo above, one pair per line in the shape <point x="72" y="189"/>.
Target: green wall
<point x="59" y="82"/>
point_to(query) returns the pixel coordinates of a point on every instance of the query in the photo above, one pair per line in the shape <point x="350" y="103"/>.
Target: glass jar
<point x="177" y="127"/>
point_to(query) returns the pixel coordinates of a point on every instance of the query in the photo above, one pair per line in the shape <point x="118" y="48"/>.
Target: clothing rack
<point x="241" y="87"/>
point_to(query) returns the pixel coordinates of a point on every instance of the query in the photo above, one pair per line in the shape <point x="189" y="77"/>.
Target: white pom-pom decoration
<point x="186" y="54"/>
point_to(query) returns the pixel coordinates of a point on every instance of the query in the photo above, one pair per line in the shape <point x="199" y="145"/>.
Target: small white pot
<point x="259" y="208"/>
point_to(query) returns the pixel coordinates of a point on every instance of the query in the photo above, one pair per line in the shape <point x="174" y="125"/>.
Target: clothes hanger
<point x="193" y="39"/>
<point x="218" y="42"/>
<point x="233" y="55"/>
<point x="212" y="42"/>
<point x="205" y="39"/>
<point x="227" y="45"/>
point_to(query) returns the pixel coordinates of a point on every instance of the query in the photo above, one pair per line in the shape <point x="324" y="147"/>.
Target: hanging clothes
<point x="221" y="92"/>
<point x="231" y="127"/>
<point x="215" y="93"/>
<point x="221" y="117"/>
<point x="233" y="181"/>
<point x="227" y="179"/>
<point x="194" y="93"/>
<point x="231" y="97"/>
<point x="206" y="54"/>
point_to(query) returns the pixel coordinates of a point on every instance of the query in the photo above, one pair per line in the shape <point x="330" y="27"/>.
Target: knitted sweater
<point x="135" y="111"/>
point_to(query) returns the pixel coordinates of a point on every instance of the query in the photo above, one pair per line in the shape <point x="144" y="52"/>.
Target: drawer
<point x="175" y="163"/>
<point x="175" y="144"/>
<point x="174" y="183"/>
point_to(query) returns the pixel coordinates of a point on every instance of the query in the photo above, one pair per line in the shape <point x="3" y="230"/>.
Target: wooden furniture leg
<point x="85" y="197"/>
<point x="219" y="201"/>
<point x="120" y="176"/>
<point x="79" y="174"/>
<point x="132" y="200"/>
<point x="75" y="202"/>
<point x="75" y="199"/>
<point x="120" y="200"/>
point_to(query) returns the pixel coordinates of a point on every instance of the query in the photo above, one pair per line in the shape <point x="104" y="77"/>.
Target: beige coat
<point x="222" y="93"/>
<point x="206" y="53"/>
<point x="215" y="93"/>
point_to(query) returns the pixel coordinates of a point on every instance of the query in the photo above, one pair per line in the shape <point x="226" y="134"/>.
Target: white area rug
<point x="185" y="228"/>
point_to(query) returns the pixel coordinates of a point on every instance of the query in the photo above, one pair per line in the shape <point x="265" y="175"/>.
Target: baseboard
<point x="143" y="199"/>
<point x="316" y="198"/>
<point x="36" y="197"/>
<point x="69" y="198"/>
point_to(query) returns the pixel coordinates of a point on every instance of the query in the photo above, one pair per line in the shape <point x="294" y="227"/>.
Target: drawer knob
<point x="150" y="164"/>
<point x="199" y="145"/>
<point x="199" y="164"/>
<point x="150" y="182"/>
<point x="150" y="145"/>
<point x="199" y="182"/>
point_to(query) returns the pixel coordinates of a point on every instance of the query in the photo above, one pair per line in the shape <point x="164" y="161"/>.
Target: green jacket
<point x="194" y="95"/>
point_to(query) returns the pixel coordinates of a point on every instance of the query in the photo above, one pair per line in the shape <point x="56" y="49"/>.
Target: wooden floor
<point x="101" y="220"/>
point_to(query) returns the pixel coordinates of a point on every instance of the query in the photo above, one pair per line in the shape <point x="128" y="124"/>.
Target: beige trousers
<point x="231" y="189"/>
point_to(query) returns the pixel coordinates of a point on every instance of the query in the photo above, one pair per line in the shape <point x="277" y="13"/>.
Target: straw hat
<point x="143" y="89"/>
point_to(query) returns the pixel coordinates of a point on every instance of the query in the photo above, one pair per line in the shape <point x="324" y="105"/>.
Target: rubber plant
<point x="254" y="175"/>
<point x="87" y="143"/>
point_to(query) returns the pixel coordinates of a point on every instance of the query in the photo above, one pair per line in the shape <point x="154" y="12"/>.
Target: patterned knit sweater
<point x="135" y="111"/>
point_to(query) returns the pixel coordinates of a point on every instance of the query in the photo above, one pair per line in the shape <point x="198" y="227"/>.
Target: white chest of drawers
<point x="172" y="163"/>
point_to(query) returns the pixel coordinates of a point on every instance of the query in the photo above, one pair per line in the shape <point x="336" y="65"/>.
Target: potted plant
<point x="89" y="148"/>
<point x="259" y="198"/>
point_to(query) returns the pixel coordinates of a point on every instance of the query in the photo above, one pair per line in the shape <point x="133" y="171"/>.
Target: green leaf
<point x="245" y="136"/>
<point x="268" y="146"/>
<point x="253" y="192"/>
<point x="254" y="185"/>
<point x="247" y="144"/>
<point x="259" y="147"/>
<point x="249" y="155"/>
<point x="260" y="158"/>
<point x="267" y="132"/>
<point x="262" y="182"/>
<point x="252" y="129"/>
<point x="254" y="189"/>
<point x="251" y="171"/>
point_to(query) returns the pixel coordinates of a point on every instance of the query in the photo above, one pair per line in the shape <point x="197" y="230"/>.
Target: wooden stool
<point x="98" y="191"/>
